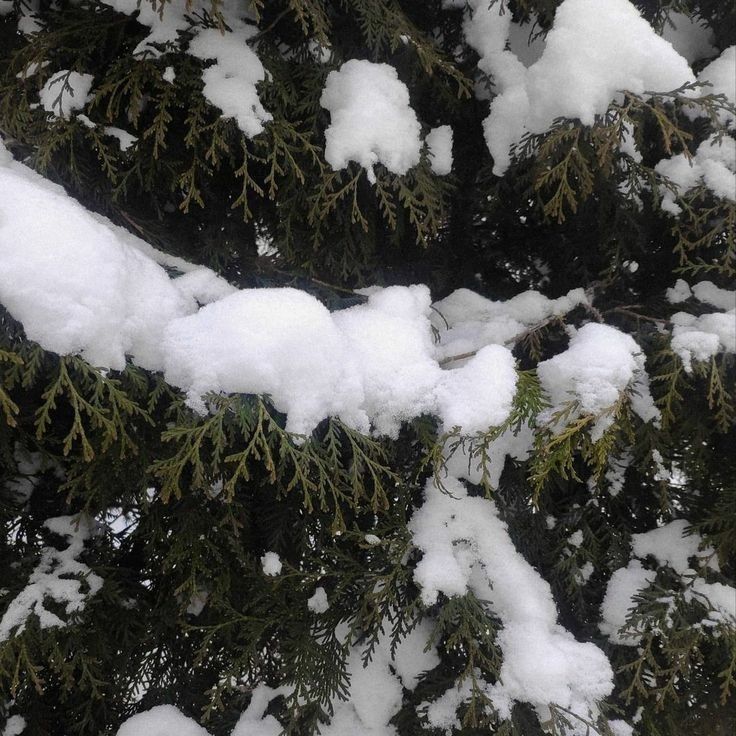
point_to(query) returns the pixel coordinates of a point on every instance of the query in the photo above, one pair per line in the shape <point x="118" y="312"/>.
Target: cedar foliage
<point x="195" y="187"/>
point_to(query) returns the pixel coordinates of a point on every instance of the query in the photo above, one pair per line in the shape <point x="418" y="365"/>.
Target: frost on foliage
<point x="713" y="166"/>
<point x="230" y="83"/>
<point x="371" y="120"/>
<point x="163" y="720"/>
<point x="595" y="49"/>
<point x="65" y="92"/>
<point x="465" y="547"/>
<point x="670" y="545"/>
<point x="59" y="576"/>
<point x="599" y="365"/>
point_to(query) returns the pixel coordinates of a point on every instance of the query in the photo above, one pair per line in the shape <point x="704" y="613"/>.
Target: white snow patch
<point x="371" y="119"/>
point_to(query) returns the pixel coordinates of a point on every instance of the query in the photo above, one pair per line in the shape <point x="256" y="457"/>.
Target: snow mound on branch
<point x="690" y="37"/>
<point x="700" y="338"/>
<point x="466" y="321"/>
<point x="465" y="547"/>
<point x="230" y="83"/>
<point x="371" y="119"/>
<point x="618" y="601"/>
<point x="599" y="365"/>
<point x="58" y="577"/>
<point x="720" y="75"/>
<point x="163" y="720"/>
<point x="49" y="246"/>
<point x="439" y="141"/>
<point x="65" y="92"/>
<point x="713" y="166"/>
<point x="670" y="545"/>
<point x="595" y="49"/>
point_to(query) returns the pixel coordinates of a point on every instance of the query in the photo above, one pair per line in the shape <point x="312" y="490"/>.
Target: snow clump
<point x="371" y="119"/>
<point x="65" y="92"/>
<point x="595" y="49"/>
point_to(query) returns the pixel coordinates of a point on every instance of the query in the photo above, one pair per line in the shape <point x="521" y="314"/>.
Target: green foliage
<point x="188" y="503"/>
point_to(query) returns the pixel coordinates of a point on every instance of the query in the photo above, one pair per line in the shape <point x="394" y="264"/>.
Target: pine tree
<point x="529" y="529"/>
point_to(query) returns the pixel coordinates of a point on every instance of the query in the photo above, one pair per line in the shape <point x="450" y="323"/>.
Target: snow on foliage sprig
<point x="300" y="494"/>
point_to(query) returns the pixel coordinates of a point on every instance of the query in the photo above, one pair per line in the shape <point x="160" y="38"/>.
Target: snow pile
<point x="465" y="547"/>
<point x="595" y="49"/>
<point x="45" y="283"/>
<point x="439" y="141"/>
<point x="163" y="720"/>
<point x="59" y="576"/>
<point x="318" y="603"/>
<point x="164" y="22"/>
<point x="720" y="75"/>
<point x="65" y="92"/>
<point x="271" y="564"/>
<point x="373" y="365"/>
<point x="14" y="726"/>
<point x="701" y="338"/>
<point x="230" y="83"/>
<point x="376" y="690"/>
<point x="599" y="366"/>
<point x="713" y="166"/>
<point x="371" y="119"/>
<point x="466" y="321"/>
<point x="692" y="38"/>
<point x="672" y="546"/>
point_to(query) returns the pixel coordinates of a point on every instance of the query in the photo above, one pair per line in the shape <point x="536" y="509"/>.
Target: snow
<point x="371" y="119"/>
<point x="58" y="576"/>
<point x="720" y="75"/>
<point x="376" y="692"/>
<point x="709" y="293"/>
<point x="595" y="49"/>
<point x="280" y="342"/>
<point x="125" y="140"/>
<point x="318" y="603"/>
<point x="466" y="546"/>
<point x="169" y="75"/>
<point x="599" y="365"/>
<point x="271" y="564"/>
<point x="254" y="721"/>
<point x="670" y="545"/>
<point x="45" y="283"/>
<point x="618" y="601"/>
<point x="65" y="92"/>
<point x="230" y="83"/>
<point x="165" y="26"/>
<point x="374" y="365"/>
<point x="163" y="720"/>
<point x="372" y="540"/>
<point x="14" y="726"/>
<point x="713" y="165"/>
<point x="690" y="36"/>
<point x="680" y="292"/>
<point x="700" y="338"/>
<point x="439" y="141"/>
<point x="719" y="597"/>
<point x="466" y="321"/>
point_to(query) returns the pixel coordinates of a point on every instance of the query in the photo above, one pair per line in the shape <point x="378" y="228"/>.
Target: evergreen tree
<point x="255" y="480"/>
